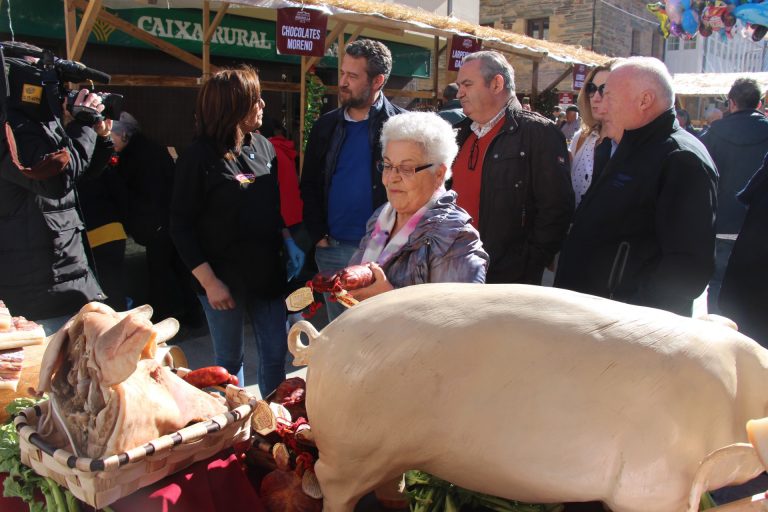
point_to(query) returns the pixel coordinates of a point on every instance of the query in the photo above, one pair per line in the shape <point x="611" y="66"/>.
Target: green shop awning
<point x="236" y="37"/>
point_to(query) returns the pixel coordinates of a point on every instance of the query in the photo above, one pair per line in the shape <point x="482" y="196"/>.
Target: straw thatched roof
<point x="712" y="84"/>
<point x="400" y="17"/>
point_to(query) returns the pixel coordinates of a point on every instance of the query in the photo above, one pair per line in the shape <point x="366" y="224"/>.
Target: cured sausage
<point x="350" y="278"/>
<point x="208" y="376"/>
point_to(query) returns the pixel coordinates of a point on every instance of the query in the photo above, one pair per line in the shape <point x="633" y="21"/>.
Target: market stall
<point x="697" y="91"/>
<point x="348" y="20"/>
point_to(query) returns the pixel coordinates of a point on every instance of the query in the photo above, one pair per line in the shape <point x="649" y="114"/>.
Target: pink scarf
<point x="380" y="247"/>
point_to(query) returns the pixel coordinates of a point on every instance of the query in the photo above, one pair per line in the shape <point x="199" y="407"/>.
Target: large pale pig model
<point x="531" y="393"/>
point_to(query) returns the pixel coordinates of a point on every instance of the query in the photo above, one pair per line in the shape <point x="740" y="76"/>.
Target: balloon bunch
<point x="687" y="18"/>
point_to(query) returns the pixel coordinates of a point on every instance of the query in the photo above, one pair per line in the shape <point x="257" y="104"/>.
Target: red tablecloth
<point x="219" y="483"/>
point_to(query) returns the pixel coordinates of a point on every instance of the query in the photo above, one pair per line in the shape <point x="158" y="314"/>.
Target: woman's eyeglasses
<point x="404" y="170"/>
<point x="592" y="89"/>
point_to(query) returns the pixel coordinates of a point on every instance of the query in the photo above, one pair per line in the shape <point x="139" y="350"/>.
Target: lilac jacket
<point x="444" y="248"/>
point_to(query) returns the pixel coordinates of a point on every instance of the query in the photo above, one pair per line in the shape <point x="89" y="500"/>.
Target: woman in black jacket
<point x="226" y="224"/>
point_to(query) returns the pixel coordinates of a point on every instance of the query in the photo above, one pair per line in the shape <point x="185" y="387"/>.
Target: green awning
<point x="237" y="36"/>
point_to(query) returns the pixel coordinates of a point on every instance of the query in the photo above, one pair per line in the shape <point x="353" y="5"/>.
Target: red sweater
<point x="291" y="205"/>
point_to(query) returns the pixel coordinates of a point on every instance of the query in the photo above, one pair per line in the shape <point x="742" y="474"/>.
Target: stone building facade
<point x="618" y="28"/>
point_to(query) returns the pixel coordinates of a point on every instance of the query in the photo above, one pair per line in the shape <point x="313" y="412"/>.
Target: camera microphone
<point x="72" y="71"/>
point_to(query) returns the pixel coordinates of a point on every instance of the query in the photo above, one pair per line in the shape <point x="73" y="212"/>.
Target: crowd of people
<point x="621" y="199"/>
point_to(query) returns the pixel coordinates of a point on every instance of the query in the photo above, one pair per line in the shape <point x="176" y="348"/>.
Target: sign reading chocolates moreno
<point x="301" y="31"/>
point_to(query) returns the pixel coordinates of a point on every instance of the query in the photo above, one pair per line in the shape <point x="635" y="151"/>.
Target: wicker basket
<point x="99" y="482"/>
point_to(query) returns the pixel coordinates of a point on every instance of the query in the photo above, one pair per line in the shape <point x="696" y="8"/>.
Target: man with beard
<point x="340" y="185"/>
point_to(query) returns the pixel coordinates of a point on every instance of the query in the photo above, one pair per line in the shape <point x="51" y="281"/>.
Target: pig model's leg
<point x="671" y="495"/>
<point x="345" y="483"/>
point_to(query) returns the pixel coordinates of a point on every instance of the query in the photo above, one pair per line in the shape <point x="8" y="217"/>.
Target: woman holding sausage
<point x="226" y="224"/>
<point x="419" y="235"/>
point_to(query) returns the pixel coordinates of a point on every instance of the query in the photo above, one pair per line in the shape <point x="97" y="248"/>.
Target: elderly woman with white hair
<point x="420" y="235"/>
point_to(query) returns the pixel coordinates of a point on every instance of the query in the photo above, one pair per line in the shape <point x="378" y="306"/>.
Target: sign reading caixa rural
<point x="237" y="36"/>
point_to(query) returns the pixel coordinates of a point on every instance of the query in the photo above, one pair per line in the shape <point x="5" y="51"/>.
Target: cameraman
<point x="44" y="272"/>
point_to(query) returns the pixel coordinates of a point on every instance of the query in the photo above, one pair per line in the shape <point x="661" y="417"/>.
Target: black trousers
<point x="108" y="259"/>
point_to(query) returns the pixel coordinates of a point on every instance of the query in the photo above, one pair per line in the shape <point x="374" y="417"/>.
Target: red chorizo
<point x="356" y="276"/>
<point x="325" y="282"/>
<point x="350" y="278"/>
<point x="208" y="376"/>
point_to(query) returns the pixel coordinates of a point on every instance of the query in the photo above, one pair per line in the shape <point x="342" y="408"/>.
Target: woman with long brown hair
<point x="589" y="136"/>
<point x="226" y="224"/>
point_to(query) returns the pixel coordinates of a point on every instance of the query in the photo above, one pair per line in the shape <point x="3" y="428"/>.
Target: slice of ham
<point x="21" y="333"/>
<point x="10" y="368"/>
<point x="5" y="317"/>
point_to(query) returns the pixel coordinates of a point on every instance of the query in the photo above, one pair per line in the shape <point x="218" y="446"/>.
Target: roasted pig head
<point x="107" y="392"/>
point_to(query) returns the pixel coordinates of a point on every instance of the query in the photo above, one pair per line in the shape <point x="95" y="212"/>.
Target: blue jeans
<point x="267" y="318"/>
<point x="335" y="257"/>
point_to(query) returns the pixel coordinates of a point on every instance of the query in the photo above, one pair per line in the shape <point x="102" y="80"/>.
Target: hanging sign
<point x="579" y="75"/>
<point x="461" y="47"/>
<point x="301" y="31"/>
<point x="565" y="98"/>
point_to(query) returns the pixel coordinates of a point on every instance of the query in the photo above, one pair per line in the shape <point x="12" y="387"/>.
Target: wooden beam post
<point x="206" y="42"/>
<point x="70" y="27"/>
<point x="535" y="80"/>
<point x="208" y="34"/>
<point x="302" y="112"/>
<point x="559" y="79"/>
<point x="139" y="34"/>
<point x="356" y="33"/>
<point x="90" y="15"/>
<point x="339" y="54"/>
<point x="338" y="29"/>
<point x="435" y="70"/>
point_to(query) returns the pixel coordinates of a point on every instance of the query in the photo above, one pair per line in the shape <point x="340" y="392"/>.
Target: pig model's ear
<point x="144" y="311"/>
<point x="117" y="350"/>
<point x="58" y="343"/>
<point x="166" y="330"/>
<point x="53" y="357"/>
<point x="727" y="322"/>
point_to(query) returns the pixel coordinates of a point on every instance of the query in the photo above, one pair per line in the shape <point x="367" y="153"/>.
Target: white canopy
<point x="712" y="84"/>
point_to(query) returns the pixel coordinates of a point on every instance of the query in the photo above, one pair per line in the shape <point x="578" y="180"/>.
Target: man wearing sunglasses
<point x="512" y="173"/>
<point x="644" y="231"/>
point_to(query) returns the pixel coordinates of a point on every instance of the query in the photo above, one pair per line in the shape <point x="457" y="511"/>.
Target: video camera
<point x="36" y="84"/>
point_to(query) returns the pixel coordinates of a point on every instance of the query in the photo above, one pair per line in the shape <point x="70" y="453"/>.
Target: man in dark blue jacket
<point x="644" y="232"/>
<point x="340" y="185"/>
<point x="737" y="144"/>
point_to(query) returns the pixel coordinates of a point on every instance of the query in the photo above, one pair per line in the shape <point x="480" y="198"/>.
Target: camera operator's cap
<point x="127" y="124"/>
<point x="572" y="108"/>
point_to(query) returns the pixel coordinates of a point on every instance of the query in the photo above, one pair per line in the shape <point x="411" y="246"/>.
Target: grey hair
<point x="377" y="56"/>
<point x="491" y="64"/>
<point x="654" y="73"/>
<point x="431" y="132"/>
<point x="127" y="125"/>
